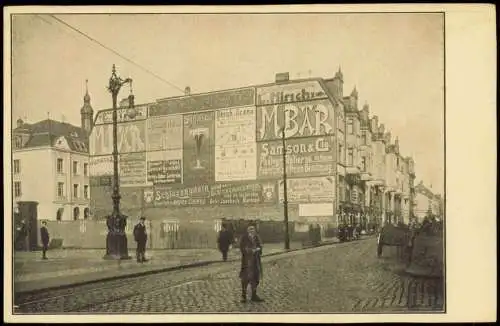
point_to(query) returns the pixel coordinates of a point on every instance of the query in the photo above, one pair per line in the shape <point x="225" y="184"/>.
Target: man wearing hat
<point x="251" y="267"/>
<point x="141" y="238"/>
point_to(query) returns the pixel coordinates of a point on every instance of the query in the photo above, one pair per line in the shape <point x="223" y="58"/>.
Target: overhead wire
<point x="92" y="39"/>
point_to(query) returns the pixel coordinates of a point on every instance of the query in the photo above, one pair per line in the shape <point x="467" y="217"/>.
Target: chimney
<point x="187" y="91"/>
<point x="282" y="77"/>
<point x="396" y="144"/>
<point x="366" y="112"/>
<point x="388" y="137"/>
<point x="381" y="129"/>
<point x="20" y="123"/>
<point x="375" y="124"/>
<point x="338" y="82"/>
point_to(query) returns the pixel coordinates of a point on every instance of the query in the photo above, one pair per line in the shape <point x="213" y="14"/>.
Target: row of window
<point x="60" y="190"/>
<point x="350" y="157"/>
<point x="59" y="167"/>
<point x="76" y="190"/>
<point x="76" y="213"/>
<point x="76" y="170"/>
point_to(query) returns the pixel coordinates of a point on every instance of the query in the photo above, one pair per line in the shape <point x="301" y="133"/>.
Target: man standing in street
<point x="44" y="234"/>
<point x="251" y="267"/>
<point x="141" y="238"/>
<point x="224" y="240"/>
<point x="21" y="236"/>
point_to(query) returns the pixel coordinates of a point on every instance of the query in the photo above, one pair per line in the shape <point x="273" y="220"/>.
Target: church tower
<point x="87" y="113"/>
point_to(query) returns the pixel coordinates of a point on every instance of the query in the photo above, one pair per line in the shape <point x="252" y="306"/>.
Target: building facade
<point x="50" y="165"/>
<point x="203" y="157"/>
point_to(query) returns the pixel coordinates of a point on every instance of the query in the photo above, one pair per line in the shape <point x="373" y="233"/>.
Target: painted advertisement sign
<point x="164" y="133"/>
<point x="300" y="119"/>
<point x="101" y="166"/>
<point x="131" y="138"/>
<point x="132" y="169"/>
<point x="235" y="146"/>
<point x="214" y="194"/>
<point x="106" y="116"/>
<point x="292" y="92"/>
<point x="309" y="190"/>
<point x="165" y="167"/>
<point x="211" y="101"/>
<point x="198" y="148"/>
<point x="304" y="157"/>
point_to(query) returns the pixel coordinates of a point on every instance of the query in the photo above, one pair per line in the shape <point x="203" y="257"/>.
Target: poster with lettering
<point x="301" y="119"/>
<point x="101" y="165"/>
<point x="198" y="148"/>
<point x="313" y="156"/>
<point x="164" y="133"/>
<point x="131" y="138"/>
<point x="164" y="167"/>
<point x="132" y="169"/>
<point x="291" y="92"/>
<point x="106" y="116"/>
<point x="309" y="190"/>
<point x="207" y="101"/>
<point x="235" y="146"/>
<point x="214" y="194"/>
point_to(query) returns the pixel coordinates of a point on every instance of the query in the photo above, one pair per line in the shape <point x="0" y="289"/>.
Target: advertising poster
<point x="235" y="146"/>
<point x="106" y="116"/>
<point x="301" y="119"/>
<point x="131" y="138"/>
<point x="292" y="92"/>
<point x="213" y="194"/>
<point x="198" y="148"/>
<point x="313" y="156"/>
<point x="164" y="133"/>
<point x="198" y="102"/>
<point x="309" y="190"/>
<point x="132" y="169"/>
<point x="165" y="167"/>
<point x="101" y="166"/>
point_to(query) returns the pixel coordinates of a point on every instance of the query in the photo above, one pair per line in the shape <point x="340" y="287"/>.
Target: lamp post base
<point x="116" y="246"/>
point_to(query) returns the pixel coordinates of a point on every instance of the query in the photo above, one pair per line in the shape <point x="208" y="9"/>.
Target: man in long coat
<point x="251" y="267"/>
<point x="141" y="237"/>
<point x="224" y="240"/>
<point x="44" y="235"/>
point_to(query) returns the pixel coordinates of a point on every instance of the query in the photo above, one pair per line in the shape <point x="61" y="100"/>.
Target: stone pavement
<point x="345" y="277"/>
<point x="68" y="267"/>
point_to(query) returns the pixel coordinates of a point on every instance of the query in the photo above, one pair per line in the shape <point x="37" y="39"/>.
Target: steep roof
<point x="45" y="133"/>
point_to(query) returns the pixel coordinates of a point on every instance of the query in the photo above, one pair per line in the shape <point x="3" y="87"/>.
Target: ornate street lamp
<point x="116" y="240"/>
<point x="285" y="192"/>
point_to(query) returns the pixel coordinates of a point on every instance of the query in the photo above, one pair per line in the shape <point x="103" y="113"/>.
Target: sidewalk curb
<point x="158" y="271"/>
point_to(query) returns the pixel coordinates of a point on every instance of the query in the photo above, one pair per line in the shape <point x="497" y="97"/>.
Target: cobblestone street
<point x="345" y="277"/>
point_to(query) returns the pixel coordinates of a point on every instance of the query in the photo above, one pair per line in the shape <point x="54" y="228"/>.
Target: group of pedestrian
<point x="21" y="237"/>
<point x="250" y="247"/>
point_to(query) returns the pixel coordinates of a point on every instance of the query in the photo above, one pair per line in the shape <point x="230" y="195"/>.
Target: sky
<point x="394" y="60"/>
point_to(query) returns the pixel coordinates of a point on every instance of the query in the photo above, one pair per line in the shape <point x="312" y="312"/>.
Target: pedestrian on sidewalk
<point x="251" y="265"/>
<point x="44" y="235"/>
<point x="224" y="240"/>
<point x="141" y="237"/>
<point x="22" y="236"/>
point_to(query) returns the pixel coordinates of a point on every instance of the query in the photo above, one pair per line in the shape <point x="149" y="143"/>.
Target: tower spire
<point x="86" y="111"/>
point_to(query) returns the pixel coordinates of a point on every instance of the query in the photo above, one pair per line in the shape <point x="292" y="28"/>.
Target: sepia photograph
<point x="219" y="162"/>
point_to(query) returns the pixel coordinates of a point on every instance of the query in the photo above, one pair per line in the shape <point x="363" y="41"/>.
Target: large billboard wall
<point x="224" y="149"/>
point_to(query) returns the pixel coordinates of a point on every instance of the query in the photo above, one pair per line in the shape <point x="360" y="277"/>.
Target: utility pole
<point x="285" y="193"/>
